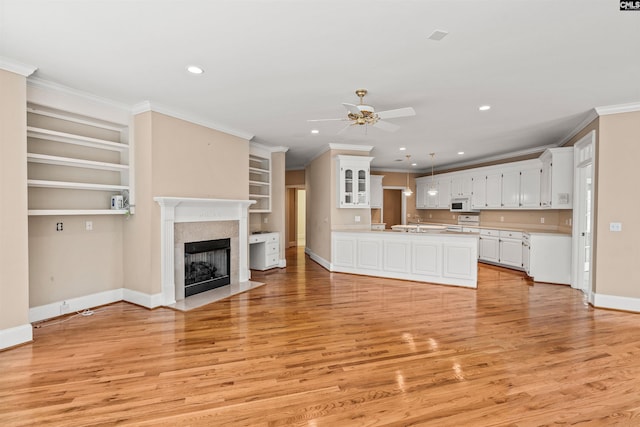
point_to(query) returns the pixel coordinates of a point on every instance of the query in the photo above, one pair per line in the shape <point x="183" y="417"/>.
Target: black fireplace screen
<point x="206" y="265"/>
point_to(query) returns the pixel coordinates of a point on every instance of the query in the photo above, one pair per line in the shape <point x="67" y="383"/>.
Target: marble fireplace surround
<point x="191" y="218"/>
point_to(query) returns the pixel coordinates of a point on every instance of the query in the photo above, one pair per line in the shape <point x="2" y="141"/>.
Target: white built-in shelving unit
<point x="76" y="163"/>
<point x="260" y="183"/>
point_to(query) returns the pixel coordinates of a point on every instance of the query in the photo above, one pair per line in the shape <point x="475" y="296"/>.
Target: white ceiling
<point x="270" y="65"/>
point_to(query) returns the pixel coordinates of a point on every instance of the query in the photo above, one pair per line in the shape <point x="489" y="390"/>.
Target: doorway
<point x="391" y="207"/>
<point x="583" y="214"/>
<point x="296" y="216"/>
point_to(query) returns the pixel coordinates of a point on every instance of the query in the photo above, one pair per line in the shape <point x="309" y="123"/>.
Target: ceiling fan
<point x="363" y="114"/>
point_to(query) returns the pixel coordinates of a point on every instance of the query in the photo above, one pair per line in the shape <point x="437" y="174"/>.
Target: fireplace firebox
<point x="207" y="265"/>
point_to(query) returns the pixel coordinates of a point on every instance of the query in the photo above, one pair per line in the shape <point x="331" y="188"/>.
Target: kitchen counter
<point x="441" y="257"/>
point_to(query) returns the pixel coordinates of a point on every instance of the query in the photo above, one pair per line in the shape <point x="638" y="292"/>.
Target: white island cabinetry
<point x="444" y="258"/>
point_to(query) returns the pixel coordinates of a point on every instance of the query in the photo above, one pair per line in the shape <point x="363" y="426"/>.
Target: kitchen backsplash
<point x="531" y="220"/>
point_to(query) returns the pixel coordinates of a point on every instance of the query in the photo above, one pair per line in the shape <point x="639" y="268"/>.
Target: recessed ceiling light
<point x="414" y="164"/>
<point x="403" y="148"/>
<point x="438" y="35"/>
<point x="460" y="153"/>
<point x="484" y="107"/>
<point x="194" y="69"/>
<point x="314" y="131"/>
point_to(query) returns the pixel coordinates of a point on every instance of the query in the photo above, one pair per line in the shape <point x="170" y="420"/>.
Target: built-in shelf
<point x="260" y="182"/>
<point x="77" y="163"/>
<point x="61" y="212"/>
<point x="70" y="151"/>
<point x="68" y="138"/>
<point x="75" y="185"/>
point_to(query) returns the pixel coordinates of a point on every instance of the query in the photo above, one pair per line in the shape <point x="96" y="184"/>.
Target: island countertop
<point x="441" y="257"/>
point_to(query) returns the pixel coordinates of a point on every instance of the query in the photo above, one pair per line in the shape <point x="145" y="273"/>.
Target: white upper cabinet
<point x="479" y="191"/>
<point x="511" y="189"/>
<point x="493" y="198"/>
<point x="444" y="193"/>
<point x="421" y="193"/>
<point x="461" y="185"/>
<point x="353" y="181"/>
<point x="556" y="181"/>
<point x="530" y="187"/>
<point x="376" y="191"/>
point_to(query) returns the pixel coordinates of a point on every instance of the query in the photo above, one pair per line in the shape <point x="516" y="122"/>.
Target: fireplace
<point x="184" y="220"/>
<point x="207" y="265"/>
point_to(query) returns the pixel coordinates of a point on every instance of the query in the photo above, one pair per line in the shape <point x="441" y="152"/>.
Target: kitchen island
<point x="433" y="257"/>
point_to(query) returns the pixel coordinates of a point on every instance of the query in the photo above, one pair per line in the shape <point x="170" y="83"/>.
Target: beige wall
<point x="399" y="179"/>
<point x="14" y="268"/>
<point x="319" y="204"/>
<point x="276" y="218"/>
<point x="73" y="262"/>
<point x="295" y="177"/>
<point x="616" y="187"/>
<point x="180" y="159"/>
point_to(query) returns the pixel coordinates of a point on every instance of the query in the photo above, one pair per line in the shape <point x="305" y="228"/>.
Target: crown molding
<point x="617" y="109"/>
<point x="269" y="148"/>
<point x="145" y="106"/>
<point x="54" y="95"/>
<point x="16" y="67"/>
<point x="591" y="116"/>
<point x="497" y="157"/>
<point x="350" y="147"/>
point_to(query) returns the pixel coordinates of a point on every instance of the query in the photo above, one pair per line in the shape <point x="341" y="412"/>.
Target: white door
<point x="583" y="209"/>
<point x="584" y="224"/>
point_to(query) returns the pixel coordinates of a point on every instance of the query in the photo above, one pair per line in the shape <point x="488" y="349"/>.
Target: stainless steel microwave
<point x="461" y="205"/>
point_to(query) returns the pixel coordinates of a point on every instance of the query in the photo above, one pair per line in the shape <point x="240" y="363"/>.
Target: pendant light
<point x="432" y="191"/>
<point x="407" y="191"/>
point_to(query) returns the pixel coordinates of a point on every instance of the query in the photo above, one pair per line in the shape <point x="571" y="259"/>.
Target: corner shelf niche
<point x="76" y="163"/>
<point x="259" y="183"/>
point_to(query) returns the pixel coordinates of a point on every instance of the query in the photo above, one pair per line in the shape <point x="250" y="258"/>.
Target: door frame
<point x="584" y="154"/>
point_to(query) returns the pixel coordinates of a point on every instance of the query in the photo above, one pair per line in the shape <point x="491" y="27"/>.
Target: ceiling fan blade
<point x="344" y="128"/>
<point x="389" y="127"/>
<point x="326" y="120"/>
<point x="353" y="109"/>
<point x="400" y="112"/>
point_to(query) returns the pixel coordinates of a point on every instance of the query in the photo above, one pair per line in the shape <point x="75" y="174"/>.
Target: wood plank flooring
<point x="312" y="348"/>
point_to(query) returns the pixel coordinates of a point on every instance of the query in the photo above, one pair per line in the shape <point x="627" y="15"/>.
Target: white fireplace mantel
<point x="182" y="209"/>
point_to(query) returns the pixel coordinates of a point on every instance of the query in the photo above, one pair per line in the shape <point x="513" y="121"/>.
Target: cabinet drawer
<point x="273" y="248"/>
<point x="273" y="238"/>
<point x="511" y="234"/>
<point x="272" y="260"/>
<point x="484" y="232"/>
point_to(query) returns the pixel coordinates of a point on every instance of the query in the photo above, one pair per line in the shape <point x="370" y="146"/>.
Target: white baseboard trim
<point x="317" y="258"/>
<point x="11" y="337"/>
<point x="48" y="311"/>
<point x="616" y="302"/>
<point x="139" y="298"/>
<point x="282" y="263"/>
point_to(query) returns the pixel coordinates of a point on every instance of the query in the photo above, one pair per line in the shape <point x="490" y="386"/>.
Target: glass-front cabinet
<point x="353" y="181"/>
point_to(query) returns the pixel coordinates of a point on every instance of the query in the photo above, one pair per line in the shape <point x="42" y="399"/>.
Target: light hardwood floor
<point x="311" y="348"/>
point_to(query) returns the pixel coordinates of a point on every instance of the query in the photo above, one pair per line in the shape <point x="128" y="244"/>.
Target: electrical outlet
<point x="357" y="218"/>
<point x="453" y="217"/>
<point x="541" y="220"/>
<point x="615" y="226"/>
<point x="59" y="226"/>
<point x="64" y="307"/>
<point x="430" y="216"/>
<point x="501" y="219"/>
<point x="88" y="225"/>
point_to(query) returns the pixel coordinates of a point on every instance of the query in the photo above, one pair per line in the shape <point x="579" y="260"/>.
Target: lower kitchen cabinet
<point x="511" y="248"/>
<point x="550" y="258"/>
<point x="264" y="251"/>
<point x="489" y="245"/>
